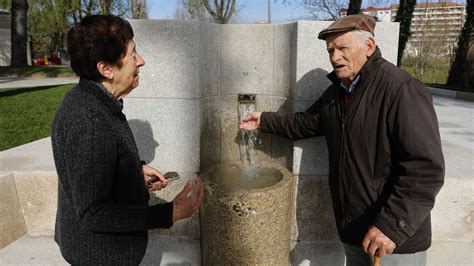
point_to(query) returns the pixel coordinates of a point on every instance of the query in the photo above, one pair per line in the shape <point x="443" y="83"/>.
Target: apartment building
<point x="435" y="25"/>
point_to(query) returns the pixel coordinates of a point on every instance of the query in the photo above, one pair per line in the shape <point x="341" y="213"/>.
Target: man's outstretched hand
<point x="251" y="122"/>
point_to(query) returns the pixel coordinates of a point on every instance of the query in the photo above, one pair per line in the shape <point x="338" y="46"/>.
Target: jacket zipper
<point x="342" y="113"/>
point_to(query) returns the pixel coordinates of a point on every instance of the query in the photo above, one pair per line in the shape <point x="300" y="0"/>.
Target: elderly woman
<point x="103" y="213"/>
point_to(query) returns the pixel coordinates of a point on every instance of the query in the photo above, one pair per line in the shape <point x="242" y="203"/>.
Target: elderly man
<point x="385" y="160"/>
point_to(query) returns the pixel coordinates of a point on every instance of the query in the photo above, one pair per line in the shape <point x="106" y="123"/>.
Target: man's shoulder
<point x="396" y="78"/>
<point x="394" y="72"/>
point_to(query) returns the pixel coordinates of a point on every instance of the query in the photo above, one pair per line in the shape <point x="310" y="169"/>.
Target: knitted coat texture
<point x="103" y="213"/>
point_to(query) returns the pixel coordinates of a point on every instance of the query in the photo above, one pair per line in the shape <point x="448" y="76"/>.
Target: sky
<point x="252" y="11"/>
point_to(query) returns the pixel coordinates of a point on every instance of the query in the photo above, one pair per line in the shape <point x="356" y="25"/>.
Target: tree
<point x="50" y="20"/>
<point x="220" y="10"/>
<point x="319" y="9"/>
<point x="470" y="62"/>
<point x="49" y="23"/>
<point x="192" y="10"/>
<point x="81" y="8"/>
<point x="19" y="37"/>
<point x="5" y="4"/>
<point x="332" y="9"/>
<point x="197" y="10"/>
<point x="427" y="48"/>
<point x="458" y="74"/>
<point x="139" y="9"/>
<point x="404" y="16"/>
<point x="105" y="6"/>
<point x="354" y="7"/>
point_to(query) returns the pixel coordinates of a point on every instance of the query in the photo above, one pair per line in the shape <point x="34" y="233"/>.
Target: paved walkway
<point x="456" y="126"/>
<point x="26" y="82"/>
<point x="457" y="133"/>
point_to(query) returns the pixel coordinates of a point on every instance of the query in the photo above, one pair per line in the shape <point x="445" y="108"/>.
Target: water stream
<point x="248" y="138"/>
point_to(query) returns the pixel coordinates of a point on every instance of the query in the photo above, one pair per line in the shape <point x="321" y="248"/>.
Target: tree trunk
<point x="458" y="74"/>
<point x="354" y="7"/>
<point x="404" y="16"/>
<point x="139" y="9"/>
<point x="221" y="11"/>
<point x="470" y="63"/>
<point x="19" y="37"/>
<point x="105" y="6"/>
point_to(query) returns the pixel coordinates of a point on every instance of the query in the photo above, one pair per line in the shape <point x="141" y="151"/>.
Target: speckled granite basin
<point x="245" y="225"/>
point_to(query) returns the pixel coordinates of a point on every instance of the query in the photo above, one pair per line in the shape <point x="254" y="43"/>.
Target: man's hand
<point x="377" y="243"/>
<point x="154" y="179"/>
<point x="185" y="205"/>
<point x="251" y="122"/>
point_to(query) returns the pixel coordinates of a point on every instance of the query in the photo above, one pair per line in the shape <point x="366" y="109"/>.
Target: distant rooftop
<point x="439" y="4"/>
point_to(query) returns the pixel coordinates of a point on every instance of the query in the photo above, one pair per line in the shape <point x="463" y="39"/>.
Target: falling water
<point x="248" y="138"/>
<point x="246" y="175"/>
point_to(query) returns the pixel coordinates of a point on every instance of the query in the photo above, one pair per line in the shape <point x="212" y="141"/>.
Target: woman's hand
<point x="154" y="179"/>
<point x="186" y="202"/>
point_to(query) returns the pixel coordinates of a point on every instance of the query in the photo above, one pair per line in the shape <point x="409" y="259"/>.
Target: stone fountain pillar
<point x="244" y="225"/>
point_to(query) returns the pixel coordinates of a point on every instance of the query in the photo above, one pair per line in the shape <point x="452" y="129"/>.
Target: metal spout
<point x="247" y="98"/>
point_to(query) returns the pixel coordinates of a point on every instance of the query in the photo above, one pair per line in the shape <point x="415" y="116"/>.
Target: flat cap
<point x="348" y="23"/>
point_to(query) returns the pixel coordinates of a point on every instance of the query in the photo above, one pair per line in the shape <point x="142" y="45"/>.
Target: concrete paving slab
<point x="42" y="250"/>
<point x="27" y="250"/>
<point x="308" y="253"/>
<point x="456" y="126"/>
<point x="450" y="253"/>
<point x="28" y="82"/>
<point x="172" y="251"/>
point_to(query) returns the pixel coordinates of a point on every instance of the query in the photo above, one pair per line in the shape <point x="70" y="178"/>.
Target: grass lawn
<point x="433" y="75"/>
<point x="32" y="71"/>
<point x="436" y="77"/>
<point x="26" y="114"/>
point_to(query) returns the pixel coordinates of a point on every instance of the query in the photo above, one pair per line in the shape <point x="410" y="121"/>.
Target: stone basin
<point x="246" y="216"/>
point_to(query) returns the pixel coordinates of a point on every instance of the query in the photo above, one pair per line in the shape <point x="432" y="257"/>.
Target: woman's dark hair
<point x="98" y="38"/>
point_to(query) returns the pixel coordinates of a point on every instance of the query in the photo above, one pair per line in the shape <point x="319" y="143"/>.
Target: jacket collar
<point x="94" y="89"/>
<point x="364" y="71"/>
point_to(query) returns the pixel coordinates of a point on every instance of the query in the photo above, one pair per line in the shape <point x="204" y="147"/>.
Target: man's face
<point x="347" y="54"/>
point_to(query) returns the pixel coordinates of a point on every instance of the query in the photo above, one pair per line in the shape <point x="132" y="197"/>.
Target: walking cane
<point x="376" y="260"/>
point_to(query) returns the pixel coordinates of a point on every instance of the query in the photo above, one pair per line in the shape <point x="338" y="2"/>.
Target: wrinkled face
<point x="347" y="54"/>
<point x="126" y="77"/>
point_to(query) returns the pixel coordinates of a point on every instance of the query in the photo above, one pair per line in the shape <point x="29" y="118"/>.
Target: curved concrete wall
<point x="186" y="105"/>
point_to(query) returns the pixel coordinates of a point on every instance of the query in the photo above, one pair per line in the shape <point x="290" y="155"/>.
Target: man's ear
<point x="371" y="46"/>
<point x="105" y="70"/>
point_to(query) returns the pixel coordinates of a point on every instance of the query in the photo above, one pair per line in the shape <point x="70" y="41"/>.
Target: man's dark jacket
<point x="385" y="160"/>
<point x="103" y="213"/>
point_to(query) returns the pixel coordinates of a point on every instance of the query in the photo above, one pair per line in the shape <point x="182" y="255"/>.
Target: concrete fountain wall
<point x="186" y="104"/>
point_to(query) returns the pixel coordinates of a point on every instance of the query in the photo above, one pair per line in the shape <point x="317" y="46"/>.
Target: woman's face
<point x="125" y="78"/>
